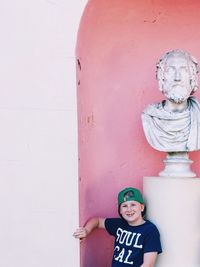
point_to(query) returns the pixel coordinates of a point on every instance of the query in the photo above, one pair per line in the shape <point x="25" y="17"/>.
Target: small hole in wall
<point x="79" y="64"/>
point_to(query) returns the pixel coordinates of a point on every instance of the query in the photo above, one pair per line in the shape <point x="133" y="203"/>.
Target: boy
<point x="137" y="241"/>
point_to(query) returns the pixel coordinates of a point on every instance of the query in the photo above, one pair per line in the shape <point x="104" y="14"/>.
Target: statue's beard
<point x="177" y="93"/>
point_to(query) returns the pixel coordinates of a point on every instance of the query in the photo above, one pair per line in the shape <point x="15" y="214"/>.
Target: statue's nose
<point x="177" y="76"/>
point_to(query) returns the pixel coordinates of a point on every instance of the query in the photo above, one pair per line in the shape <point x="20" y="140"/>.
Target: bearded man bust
<point x="173" y="125"/>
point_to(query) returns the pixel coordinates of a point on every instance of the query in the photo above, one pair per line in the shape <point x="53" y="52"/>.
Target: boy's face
<point x="131" y="211"/>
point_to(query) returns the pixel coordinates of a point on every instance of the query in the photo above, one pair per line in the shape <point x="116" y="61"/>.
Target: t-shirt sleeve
<point x="111" y="225"/>
<point x="152" y="241"/>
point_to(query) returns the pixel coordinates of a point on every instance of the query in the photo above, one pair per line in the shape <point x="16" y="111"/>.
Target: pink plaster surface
<point x="119" y="43"/>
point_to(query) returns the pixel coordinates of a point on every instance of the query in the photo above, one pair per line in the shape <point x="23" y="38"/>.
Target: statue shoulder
<point x="193" y="100"/>
<point x="153" y="108"/>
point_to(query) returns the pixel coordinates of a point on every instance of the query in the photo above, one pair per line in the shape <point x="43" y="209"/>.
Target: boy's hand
<point x="93" y="223"/>
<point x="81" y="233"/>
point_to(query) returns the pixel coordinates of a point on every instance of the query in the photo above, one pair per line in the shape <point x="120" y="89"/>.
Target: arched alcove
<point x="119" y="43"/>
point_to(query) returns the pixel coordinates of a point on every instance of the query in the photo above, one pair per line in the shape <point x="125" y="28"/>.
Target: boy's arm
<point x="149" y="259"/>
<point x="91" y="224"/>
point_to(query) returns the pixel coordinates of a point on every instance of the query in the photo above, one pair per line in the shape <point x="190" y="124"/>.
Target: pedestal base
<point x="177" y="164"/>
<point x="173" y="204"/>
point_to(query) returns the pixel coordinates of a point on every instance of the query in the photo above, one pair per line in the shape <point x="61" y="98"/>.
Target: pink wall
<point x="119" y="43"/>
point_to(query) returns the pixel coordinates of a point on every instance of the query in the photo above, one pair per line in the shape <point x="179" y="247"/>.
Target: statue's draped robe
<point x="173" y="131"/>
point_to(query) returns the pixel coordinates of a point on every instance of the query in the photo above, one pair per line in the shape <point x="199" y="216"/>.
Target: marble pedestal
<point x="173" y="204"/>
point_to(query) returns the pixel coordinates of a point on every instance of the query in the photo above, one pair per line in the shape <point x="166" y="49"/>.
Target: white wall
<point x="38" y="136"/>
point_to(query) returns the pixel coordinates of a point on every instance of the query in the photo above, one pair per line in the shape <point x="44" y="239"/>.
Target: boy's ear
<point x="142" y="207"/>
<point x="119" y="211"/>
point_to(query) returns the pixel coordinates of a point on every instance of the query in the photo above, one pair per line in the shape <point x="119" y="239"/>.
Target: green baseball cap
<point x="129" y="194"/>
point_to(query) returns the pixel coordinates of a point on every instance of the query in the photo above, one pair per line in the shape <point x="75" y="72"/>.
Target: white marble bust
<point x="173" y="125"/>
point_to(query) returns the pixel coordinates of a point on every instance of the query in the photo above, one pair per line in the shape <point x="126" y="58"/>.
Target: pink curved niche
<point x="119" y="43"/>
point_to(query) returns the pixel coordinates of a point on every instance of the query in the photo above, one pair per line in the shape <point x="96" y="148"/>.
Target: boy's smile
<point x="131" y="211"/>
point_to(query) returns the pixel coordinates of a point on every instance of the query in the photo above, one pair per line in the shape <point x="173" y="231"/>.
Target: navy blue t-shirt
<point x="131" y="242"/>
